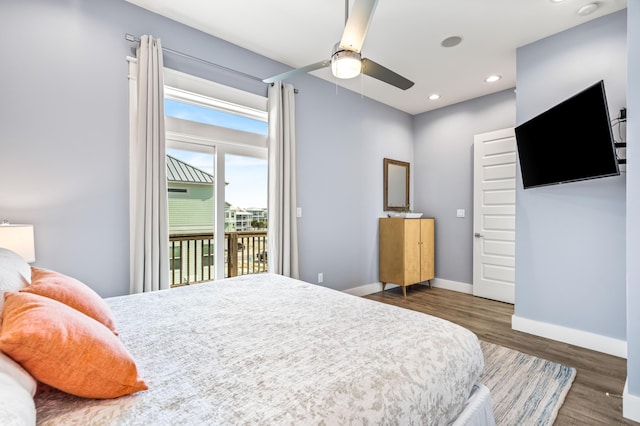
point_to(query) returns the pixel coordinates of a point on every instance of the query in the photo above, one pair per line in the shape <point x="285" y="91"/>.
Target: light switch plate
<point x="460" y="213"/>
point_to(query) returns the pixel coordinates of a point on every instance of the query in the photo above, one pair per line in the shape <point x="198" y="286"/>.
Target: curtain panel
<point x="282" y="234"/>
<point x="150" y="233"/>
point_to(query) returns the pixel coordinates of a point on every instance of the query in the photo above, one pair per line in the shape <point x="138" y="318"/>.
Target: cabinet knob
<point x="478" y="235"/>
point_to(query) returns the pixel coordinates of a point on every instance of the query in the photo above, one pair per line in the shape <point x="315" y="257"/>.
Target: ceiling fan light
<point x="346" y="64"/>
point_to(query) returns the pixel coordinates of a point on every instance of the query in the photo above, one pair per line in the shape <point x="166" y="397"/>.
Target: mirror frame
<point x="387" y="162"/>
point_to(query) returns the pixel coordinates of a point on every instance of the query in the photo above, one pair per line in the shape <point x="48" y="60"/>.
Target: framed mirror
<point x="396" y="185"/>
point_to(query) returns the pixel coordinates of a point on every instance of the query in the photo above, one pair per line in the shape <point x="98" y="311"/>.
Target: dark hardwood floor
<point x="597" y="373"/>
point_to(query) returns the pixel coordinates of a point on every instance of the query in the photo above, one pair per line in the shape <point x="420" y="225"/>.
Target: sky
<point x="246" y="177"/>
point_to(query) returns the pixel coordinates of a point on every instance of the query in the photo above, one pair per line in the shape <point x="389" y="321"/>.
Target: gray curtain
<point x="282" y="235"/>
<point x="151" y="227"/>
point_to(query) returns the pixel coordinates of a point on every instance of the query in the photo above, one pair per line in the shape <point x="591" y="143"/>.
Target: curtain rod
<point x="134" y="39"/>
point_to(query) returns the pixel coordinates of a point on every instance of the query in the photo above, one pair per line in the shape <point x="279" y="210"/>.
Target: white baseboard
<point x="630" y="405"/>
<point x="584" y="339"/>
<point x="366" y="289"/>
<point x="452" y="285"/>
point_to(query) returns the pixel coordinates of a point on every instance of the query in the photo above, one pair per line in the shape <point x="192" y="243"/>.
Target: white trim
<point x="179" y="128"/>
<point x="133" y="114"/>
<point x="185" y="96"/>
<point x="630" y="404"/>
<point x="584" y="339"/>
<point x="220" y="215"/>
<point x="452" y="285"/>
<point x="366" y="289"/>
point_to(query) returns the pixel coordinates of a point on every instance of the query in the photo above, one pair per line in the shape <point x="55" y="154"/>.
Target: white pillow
<point x="15" y="273"/>
<point x="11" y="368"/>
<point x="17" y="407"/>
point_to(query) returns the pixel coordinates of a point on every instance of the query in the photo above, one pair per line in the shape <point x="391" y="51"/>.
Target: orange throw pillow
<point x="66" y="349"/>
<point x="71" y="292"/>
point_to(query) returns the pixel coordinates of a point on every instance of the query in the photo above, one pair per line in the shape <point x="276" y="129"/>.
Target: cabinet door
<point x="391" y="251"/>
<point x="412" y="263"/>
<point x="427" y="266"/>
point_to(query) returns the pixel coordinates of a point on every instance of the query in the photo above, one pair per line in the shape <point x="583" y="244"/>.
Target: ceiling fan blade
<point x="356" y="27"/>
<point x="308" y="68"/>
<point x="381" y="73"/>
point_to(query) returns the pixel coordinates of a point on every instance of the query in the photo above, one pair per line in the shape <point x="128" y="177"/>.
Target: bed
<point x="270" y="350"/>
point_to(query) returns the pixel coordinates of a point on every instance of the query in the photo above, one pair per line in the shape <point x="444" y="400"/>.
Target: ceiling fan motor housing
<point x="345" y="63"/>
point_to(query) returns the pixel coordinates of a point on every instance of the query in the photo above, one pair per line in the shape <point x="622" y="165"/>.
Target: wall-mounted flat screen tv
<point x="571" y="141"/>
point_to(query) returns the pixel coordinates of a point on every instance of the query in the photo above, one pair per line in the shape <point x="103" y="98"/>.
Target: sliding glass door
<point x="216" y="199"/>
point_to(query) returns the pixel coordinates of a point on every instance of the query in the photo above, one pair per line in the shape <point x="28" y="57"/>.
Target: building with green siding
<point x="190" y="198"/>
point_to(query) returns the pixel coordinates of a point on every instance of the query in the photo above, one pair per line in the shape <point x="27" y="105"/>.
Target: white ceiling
<point x="404" y="35"/>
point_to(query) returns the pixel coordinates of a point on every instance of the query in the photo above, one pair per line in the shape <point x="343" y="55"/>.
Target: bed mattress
<point x="266" y="349"/>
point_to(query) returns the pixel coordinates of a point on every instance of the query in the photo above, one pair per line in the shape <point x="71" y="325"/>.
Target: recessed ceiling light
<point x="451" y="41"/>
<point x="493" y="78"/>
<point x="434" y="97"/>
<point x="587" y="9"/>
<point x="557" y="1"/>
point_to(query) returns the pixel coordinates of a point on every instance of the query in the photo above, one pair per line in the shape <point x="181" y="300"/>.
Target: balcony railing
<point x="191" y="256"/>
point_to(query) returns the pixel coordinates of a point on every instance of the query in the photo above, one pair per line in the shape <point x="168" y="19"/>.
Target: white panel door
<point x="494" y="215"/>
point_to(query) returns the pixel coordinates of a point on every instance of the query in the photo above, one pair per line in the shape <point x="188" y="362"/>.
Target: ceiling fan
<point x="346" y="60"/>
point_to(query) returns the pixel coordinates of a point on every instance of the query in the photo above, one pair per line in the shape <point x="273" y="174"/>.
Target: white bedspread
<point x="269" y="350"/>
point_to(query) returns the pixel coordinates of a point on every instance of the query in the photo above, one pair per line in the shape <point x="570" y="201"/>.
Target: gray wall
<point x="633" y="200"/>
<point x="64" y="141"/>
<point x="342" y="141"/>
<point x="570" y="239"/>
<point x="443" y="174"/>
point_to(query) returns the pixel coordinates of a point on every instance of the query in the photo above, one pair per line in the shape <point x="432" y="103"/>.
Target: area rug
<point x="525" y="390"/>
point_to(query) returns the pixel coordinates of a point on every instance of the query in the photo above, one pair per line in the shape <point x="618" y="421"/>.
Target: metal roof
<point x="179" y="171"/>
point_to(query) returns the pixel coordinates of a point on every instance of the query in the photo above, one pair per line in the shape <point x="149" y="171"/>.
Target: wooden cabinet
<point x="406" y="251"/>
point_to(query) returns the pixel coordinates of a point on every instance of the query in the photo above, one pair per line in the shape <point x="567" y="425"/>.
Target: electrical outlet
<point x="460" y="213"/>
<point x="320" y="277"/>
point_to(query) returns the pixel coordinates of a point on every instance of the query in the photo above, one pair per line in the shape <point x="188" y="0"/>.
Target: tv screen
<point x="571" y="141"/>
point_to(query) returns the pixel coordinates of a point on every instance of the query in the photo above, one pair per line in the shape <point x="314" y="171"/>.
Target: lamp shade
<point x="19" y="239"/>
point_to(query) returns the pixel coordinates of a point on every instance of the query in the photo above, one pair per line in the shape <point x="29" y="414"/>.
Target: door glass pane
<point x="245" y="215"/>
<point x="191" y="215"/>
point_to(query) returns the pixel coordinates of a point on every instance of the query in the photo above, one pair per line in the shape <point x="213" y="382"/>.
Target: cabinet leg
<point x="404" y="291"/>
<point x="429" y="281"/>
<point x="383" y="285"/>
